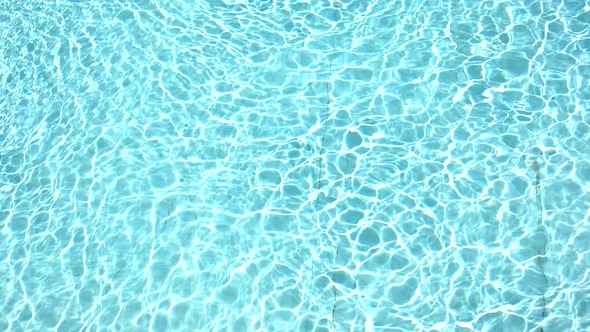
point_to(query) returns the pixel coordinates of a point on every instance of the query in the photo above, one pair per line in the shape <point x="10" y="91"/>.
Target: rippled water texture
<point x="412" y="165"/>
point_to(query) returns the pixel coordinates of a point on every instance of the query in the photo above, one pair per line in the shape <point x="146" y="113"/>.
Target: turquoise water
<point x="294" y="165"/>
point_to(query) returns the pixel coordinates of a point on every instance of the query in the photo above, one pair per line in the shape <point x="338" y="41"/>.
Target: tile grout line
<point x="542" y="252"/>
<point x="319" y="177"/>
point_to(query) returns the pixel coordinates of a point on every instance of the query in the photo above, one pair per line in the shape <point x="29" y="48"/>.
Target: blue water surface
<point x="241" y="165"/>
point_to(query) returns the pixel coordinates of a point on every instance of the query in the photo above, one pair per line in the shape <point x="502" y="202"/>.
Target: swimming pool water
<point x="295" y="165"/>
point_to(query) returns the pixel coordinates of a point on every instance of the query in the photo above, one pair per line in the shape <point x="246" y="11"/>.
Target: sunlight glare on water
<point x="254" y="165"/>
